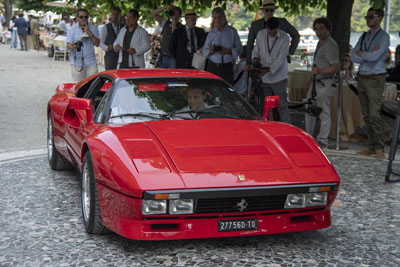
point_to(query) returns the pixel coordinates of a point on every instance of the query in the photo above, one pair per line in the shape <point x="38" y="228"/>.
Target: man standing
<point x="370" y="52"/>
<point x="326" y="64"/>
<point x="268" y="9"/>
<point x="108" y="34"/>
<point x="222" y="46"/>
<point x="132" y="42"/>
<point x="63" y="25"/>
<point x="168" y="27"/>
<point x="185" y="41"/>
<point x="81" y="39"/>
<point x="22" y="30"/>
<point x="35" y="31"/>
<point x="271" y="49"/>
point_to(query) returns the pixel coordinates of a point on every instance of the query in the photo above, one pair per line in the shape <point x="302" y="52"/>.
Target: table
<point x="351" y="112"/>
<point x="351" y="116"/>
<point x="297" y="80"/>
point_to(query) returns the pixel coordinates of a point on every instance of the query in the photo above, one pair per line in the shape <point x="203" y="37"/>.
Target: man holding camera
<point x="108" y="34"/>
<point x="268" y="9"/>
<point x="222" y="47"/>
<point x="326" y="64"/>
<point x="185" y="41"/>
<point x="81" y="39"/>
<point x="371" y="52"/>
<point x="271" y="49"/>
<point x="168" y="27"/>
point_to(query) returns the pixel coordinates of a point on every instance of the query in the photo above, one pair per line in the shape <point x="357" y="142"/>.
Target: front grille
<point x="260" y="203"/>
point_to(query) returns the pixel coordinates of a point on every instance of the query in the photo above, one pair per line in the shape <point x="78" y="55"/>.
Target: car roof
<point x="138" y="73"/>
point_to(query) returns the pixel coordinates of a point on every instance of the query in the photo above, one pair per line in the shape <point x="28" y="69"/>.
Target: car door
<point x="78" y="132"/>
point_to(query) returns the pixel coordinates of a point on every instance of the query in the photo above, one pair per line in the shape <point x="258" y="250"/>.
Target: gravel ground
<point x="41" y="226"/>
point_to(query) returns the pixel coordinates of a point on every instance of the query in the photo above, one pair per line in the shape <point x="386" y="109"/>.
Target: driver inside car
<point x="195" y="99"/>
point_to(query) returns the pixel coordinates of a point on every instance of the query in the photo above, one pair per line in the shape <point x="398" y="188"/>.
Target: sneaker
<point x="380" y="154"/>
<point x="322" y="145"/>
<point x="366" y="152"/>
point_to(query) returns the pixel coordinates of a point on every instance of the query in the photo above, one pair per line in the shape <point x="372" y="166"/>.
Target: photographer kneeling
<point x="326" y="64"/>
<point x="271" y="49"/>
<point x="81" y="39"/>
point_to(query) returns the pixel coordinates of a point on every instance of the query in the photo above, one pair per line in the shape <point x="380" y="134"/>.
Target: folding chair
<point x="60" y="49"/>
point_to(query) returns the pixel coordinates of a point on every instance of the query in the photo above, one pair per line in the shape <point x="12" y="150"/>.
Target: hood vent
<point x="205" y="151"/>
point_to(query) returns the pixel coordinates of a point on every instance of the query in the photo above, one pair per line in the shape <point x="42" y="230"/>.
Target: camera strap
<point x="270" y="49"/>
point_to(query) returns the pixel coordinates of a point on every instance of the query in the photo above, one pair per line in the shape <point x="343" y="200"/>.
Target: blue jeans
<point x="14" y="39"/>
<point x="167" y="62"/>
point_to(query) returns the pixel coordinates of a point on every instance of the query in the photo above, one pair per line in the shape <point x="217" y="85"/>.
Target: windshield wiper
<point x="142" y="114"/>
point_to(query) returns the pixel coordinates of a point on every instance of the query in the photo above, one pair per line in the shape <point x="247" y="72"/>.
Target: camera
<point x="79" y="45"/>
<point x="311" y="109"/>
<point x="217" y="48"/>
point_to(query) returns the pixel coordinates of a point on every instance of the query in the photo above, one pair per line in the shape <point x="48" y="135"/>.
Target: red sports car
<point x="176" y="154"/>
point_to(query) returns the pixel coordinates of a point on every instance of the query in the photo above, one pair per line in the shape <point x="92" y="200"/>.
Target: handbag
<point x="198" y="61"/>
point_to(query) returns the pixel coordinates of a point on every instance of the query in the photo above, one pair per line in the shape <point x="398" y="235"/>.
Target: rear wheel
<point x="89" y="199"/>
<point x="56" y="160"/>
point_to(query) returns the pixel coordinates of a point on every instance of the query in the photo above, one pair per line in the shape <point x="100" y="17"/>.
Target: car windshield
<point x="135" y="100"/>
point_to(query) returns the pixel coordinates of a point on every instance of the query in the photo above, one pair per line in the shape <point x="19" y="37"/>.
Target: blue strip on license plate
<point x="237" y="225"/>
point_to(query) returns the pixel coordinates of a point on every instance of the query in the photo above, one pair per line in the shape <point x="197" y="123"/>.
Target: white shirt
<point x="103" y="35"/>
<point x="274" y="57"/>
<point x="140" y="41"/>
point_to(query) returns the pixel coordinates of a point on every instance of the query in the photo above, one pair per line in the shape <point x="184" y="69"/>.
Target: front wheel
<point x="89" y="199"/>
<point x="56" y="160"/>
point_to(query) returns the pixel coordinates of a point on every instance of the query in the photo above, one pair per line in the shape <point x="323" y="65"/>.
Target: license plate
<point x="237" y="225"/>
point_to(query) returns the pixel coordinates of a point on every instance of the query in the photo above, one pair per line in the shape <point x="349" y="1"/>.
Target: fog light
<point x="294" y="201"/>
<point x="181" y="206"/>
<point x="151" y="207"/>
<point x="317" y="199"/>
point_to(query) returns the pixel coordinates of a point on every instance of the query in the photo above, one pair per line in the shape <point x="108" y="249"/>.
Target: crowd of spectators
<point x="271" y="42"/>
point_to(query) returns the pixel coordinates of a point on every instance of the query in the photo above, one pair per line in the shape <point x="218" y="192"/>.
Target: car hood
<point x="219" y="146"/>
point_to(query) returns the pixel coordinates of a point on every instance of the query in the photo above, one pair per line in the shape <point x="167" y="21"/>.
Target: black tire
<point x="89" y="199"/>
<point x="56" y="160"/>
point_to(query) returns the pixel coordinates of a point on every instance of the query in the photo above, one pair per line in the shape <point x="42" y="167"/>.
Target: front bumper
<point x="122" y="214"/>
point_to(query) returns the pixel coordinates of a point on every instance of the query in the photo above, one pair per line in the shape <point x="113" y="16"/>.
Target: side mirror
<point x="78" y="104"/>
<point x="270" y="102"/>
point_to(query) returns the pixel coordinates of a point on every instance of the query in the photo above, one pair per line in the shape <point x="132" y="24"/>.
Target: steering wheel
<point x="207" y="113"/>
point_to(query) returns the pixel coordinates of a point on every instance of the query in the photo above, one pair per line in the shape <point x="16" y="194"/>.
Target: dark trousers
<point x="223" y="70"/>
<point x="111" y="60"/>
<point x="23" y="40"/>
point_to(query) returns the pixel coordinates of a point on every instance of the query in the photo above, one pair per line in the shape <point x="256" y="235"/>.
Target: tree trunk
<point x="339" y="13"/>
<point x="8" y="4"/>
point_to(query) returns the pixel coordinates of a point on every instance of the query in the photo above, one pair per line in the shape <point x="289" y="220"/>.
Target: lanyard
<point x="370" y="43"/>
<point x="270" y="49"/>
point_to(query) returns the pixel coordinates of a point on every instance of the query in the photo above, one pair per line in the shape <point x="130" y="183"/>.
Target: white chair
<point x="60" y="49"/>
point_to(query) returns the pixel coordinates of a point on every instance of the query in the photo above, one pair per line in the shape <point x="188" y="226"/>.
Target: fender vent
<point x="141" y="149"/>
<point x="293" y="144"/>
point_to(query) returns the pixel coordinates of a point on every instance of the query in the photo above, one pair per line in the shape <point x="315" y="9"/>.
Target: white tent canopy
<point x="307" y="31"/>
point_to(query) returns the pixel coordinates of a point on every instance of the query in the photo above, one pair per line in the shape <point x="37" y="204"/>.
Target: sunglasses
<point x="370" y="16"/>
<point x="83" y="17"/>
<point x="266" y="10"/>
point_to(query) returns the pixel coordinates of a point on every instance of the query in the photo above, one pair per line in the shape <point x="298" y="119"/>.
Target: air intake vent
<point x="221" y="151"/>
<point x="293" y="144"/>
<point x="260" y="203"/>
<point x="141" y="149"/>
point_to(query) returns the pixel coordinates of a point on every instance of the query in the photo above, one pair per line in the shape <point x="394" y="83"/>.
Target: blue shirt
<point x="228" y="38"/>
<point x="372" y="62"/>
<point x="87" y="50"/>
<point x="21" y="25"/>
